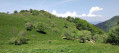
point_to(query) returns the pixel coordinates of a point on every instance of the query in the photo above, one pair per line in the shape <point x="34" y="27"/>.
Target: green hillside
<point x="107" y="25"/>
<point x="33" y="31"/>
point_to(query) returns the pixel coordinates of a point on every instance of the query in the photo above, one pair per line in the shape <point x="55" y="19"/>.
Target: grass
<point x="39" y="43"/>
<point x="61" y="48"/>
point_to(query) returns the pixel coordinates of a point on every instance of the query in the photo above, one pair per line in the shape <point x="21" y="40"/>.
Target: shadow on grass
<point x="42" y="32"/>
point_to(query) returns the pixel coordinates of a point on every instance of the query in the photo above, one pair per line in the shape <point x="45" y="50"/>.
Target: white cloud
<point x="93" y="9"/>
<point x="74" y="14"/>
<point x="91" y="14"/>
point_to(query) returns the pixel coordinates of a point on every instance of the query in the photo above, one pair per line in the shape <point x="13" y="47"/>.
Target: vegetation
<point x="15" y="11"/>
<point x="114" y="34"/>
<point x="47" y="33"/>
<point x="29" y="26"/>
<point x="84" y="25"/>
<point x="20" y="39"/>
<point x="84" y="36"/>
<point x="107" y="25"/>
<point x="35" y="12"/>
<point x="40" y="27"/>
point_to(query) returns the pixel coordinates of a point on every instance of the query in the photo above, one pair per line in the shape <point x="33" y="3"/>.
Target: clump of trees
<point x="35" y="12"/>
<point x="38" y="26"/>
<point x="84" y="25"/>
<point x="114" y="34"/>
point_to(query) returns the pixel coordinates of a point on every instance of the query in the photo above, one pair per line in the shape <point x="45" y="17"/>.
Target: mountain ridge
<point x="107" y="25"/>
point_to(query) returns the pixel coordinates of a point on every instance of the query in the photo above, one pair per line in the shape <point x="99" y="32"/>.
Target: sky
<point x="94" y="11"/>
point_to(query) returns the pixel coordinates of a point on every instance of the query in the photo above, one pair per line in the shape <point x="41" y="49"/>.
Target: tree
<point x="15" y="11"/>
<point x="70" y="19"/>
<point x="68" y="35"/>
<point x="84" y="35"/>
<point x="31" y="11"/>
<point x="114" y="34"/>
<point x="35" y="12"/>
<point x="24" y="11"/>
<point x="65" y="24"/>
<point x="84" y="25"/>
<point x="41" y="27"/>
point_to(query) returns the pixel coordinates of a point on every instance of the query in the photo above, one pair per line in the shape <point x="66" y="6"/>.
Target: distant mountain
<point x="108" y="24"/>
<point x="95" y="22"/>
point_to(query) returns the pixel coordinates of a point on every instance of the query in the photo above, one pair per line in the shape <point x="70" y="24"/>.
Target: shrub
<point x="20" y="39"/>
<point x="105" y="36"/>
<point x="15" y="11"/>
<point x="95" y="37"/>
<point x="65" y="25"/>
<point x="50" y="16"/>
<point x="29" y="26"/>
<point x="22" y="11"/>
<point x="35" y="12"/>
<point x="70" y="19"/>
<point x="68" y="35"/>
<point x="31" y="10"/>
<point x="41" y="27"/>
<point x="84" y="35"/>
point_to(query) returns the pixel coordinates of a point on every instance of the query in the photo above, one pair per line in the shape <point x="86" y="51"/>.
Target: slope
<point x="51" y="42"/>
<point x="107" y="25"/>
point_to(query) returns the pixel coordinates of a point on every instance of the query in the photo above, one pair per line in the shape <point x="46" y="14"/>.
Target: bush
<point x="41" y="27"/>
<point x="29" y="26"/>
<point x="20" y="39"/>
<point x="31" y="10"/>
<point x="95" y="37"/>
<point x="105" y="36"/>
<point x="68" y="35"/>
<point x="35" y="12"/>
<point x="70" y="19"/>
<point x="65" y="24"/>
<point x="84" y="35"/>
<point x="15" y="11"/>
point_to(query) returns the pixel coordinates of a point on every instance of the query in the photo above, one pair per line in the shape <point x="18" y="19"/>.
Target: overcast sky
<point x="91" y="10"/>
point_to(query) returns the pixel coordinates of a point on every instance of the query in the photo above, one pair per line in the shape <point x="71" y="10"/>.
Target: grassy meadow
<point x="51" y="42"/>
